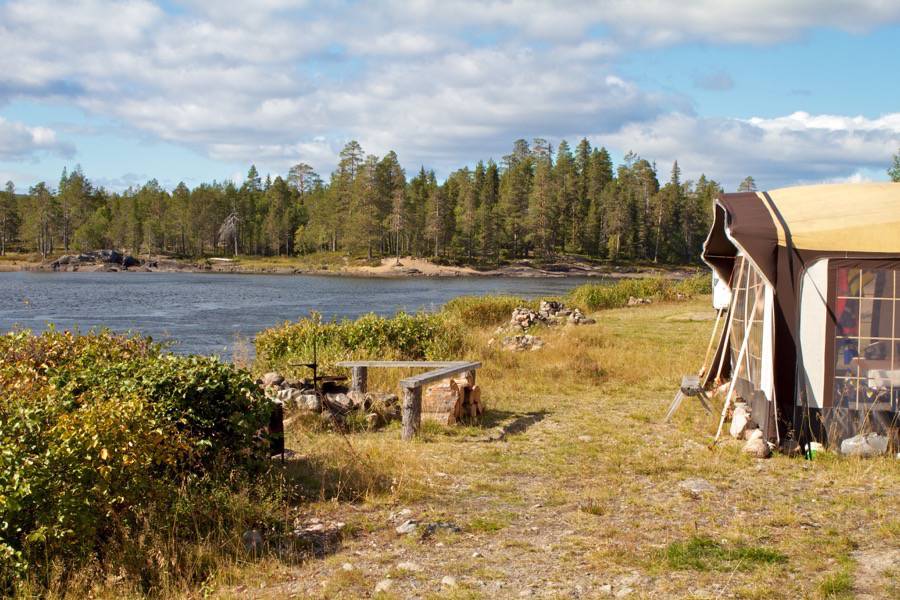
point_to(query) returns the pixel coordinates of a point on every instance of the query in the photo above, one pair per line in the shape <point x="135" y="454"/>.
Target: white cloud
<point x="440" y="81"/>
<point x="20" y="142"/>
<point x="796" y="148"/>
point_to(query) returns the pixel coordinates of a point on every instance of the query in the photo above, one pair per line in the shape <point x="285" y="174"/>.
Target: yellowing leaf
<point x="104" y="454"/>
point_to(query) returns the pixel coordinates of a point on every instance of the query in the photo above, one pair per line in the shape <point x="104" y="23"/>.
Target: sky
<point x="788" y="92"/>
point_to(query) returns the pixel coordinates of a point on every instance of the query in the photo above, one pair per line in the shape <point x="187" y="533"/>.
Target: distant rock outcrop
<point x="97" y="260"/>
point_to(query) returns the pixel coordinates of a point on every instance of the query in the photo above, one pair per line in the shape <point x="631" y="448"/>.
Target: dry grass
<point x="588" y="496"/>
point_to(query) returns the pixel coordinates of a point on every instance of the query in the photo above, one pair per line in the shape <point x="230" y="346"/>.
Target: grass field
<point x="585" y="502"/>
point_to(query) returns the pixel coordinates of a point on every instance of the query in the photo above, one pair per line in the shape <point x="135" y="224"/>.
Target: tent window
<point x="866" y="369"/>
<point x="748" y="305"/>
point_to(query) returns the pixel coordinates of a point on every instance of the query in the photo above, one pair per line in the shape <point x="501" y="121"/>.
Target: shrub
<point x="98" y="430"/>
<point x="485" y="311"/>
<point x="401" y="337"/>
<point x="599" y="296"/>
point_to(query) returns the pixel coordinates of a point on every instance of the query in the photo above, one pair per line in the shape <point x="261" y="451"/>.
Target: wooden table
<point x="411" y="406"/>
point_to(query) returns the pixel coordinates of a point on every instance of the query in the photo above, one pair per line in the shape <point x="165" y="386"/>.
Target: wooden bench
<point x="411" y="405"/>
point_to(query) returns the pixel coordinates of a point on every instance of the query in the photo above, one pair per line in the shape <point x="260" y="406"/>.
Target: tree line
<point x="538" y="201"/>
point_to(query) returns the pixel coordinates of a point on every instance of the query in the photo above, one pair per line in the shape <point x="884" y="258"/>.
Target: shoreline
<point x="408" y="268"/>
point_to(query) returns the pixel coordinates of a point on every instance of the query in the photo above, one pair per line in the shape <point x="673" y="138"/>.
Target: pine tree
<point x="542" y="209"/>
<point x="487" y="213"/>
<point x="894" y="171"/>
<point x="9" y="217"/>
<point x="747" y="185"/>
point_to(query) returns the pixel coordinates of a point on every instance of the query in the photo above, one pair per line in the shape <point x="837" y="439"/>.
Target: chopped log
<point x="442" y="418"/>
<point x="442" y="402"/>
<point x="475" y="395"/>
<point x="465" y="379"/>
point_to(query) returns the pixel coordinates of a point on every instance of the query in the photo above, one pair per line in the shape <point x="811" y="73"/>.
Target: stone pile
<point x="334" y="404"/>
<point x="521" y="343"/>
<point x="550" y="313"/>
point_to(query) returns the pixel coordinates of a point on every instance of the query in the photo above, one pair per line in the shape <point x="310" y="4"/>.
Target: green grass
<point x="705" y="554"/>
<point x="837" y="585"/>
<point x="489" y="523"/>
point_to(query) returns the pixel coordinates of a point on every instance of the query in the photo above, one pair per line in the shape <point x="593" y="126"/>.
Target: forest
<point x="537" y="202"/>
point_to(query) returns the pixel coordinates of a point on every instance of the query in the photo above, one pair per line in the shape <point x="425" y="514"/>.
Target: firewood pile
<point x="334" y="405"/>
<point x="453" y="400"/>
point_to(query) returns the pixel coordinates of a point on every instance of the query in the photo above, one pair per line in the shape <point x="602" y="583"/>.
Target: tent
<point x="812" y="332"/>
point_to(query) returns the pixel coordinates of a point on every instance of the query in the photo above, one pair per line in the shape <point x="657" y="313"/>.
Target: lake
<point x="205" y="313"/>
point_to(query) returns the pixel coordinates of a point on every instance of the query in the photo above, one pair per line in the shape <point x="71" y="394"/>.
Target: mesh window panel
<point x="863" y="387"/>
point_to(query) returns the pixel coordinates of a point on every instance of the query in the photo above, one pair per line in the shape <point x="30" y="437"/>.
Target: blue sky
<point x="193" y="91"/>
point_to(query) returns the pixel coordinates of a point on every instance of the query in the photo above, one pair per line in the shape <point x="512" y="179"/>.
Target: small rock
<point x="632" y="301"/>
<point x="585" y="438"/>
<point x="605" y="589"/>
<point x="477" y="554"/>
<point x="340" y="401"/>
<point x="757" y="447"/>
<point x="404" y="512"/>
<point x="373" y="421"/>
<point x="697" y="487"/>
<point x="347" y="567"/>
<point x="272" y="378"/>
<point x="865" y="445"/>
<point x="739" y="420"/>
<point x="448" y="581"/>
<point x="357" y="398"/>
<point x="383" y="586"/>
<point x="253" y="541"/>
<point x="407" y="527"/>
<point x="625" y="591"/>
<point x="410" y="566"/>
<point x="310" y="402"/>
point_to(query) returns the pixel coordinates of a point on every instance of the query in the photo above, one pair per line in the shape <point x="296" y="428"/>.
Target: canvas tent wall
<point x="827" y="258"/>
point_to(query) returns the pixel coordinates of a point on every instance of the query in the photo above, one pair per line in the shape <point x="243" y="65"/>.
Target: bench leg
<point x="411" y="412"/>
<point x="359" y="379"/>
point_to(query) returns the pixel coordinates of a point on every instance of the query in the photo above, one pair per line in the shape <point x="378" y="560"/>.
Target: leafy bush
<point x="98" y="430"/>
<point x="484" y="311"/>
<point x="401" y="337"/>
<point x="599" y="296"/>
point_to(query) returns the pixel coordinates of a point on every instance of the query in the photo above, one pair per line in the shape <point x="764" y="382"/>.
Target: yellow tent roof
<point x="852" y="217"/>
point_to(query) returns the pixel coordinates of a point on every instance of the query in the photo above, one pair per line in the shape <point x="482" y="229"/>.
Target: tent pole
<point x="734" y="376"/>
<point x="728" y="321"/>
<point x="712" y="337"/>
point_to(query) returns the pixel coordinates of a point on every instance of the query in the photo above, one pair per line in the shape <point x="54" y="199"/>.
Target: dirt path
<point x="588" y="502"/>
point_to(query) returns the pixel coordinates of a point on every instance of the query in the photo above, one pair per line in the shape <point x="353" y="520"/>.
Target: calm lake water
<point x="205" y="313"/>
